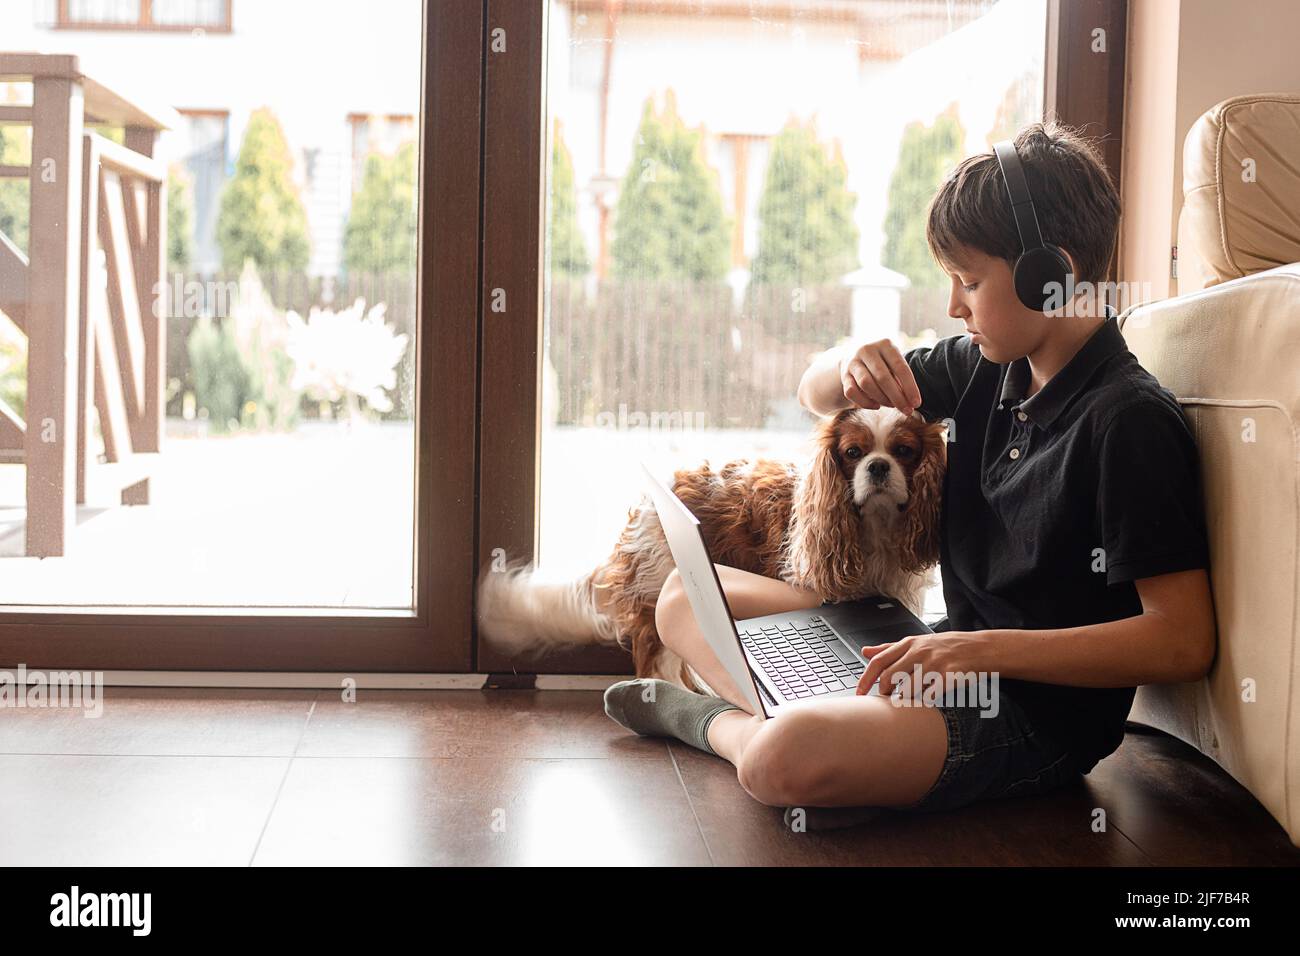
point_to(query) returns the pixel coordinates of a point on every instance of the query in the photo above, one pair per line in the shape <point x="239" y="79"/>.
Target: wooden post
<point x="153" y="291"/>
<point x="91" y="298"/>
<point x="55" y="279"/>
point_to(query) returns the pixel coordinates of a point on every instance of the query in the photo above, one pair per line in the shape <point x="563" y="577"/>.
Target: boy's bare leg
<point x="665" y="709"/>
<point x="846" y="751"/>
<point x="842" y="752"/>
<point x="748" y="595"/>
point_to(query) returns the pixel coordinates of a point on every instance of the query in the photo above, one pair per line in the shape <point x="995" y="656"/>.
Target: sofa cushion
<point x="1241" y="190"/>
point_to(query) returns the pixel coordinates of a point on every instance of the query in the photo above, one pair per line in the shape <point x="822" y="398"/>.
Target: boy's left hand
<point x="943" y="653"/>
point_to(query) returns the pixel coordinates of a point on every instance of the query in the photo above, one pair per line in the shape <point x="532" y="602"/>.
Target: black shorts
<point x="994" y="755"/>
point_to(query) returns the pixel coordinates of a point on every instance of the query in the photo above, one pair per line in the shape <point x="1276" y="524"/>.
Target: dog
<point x="862" y="518"/>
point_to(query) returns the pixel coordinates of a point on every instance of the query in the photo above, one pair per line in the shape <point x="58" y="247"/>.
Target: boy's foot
<point x="656" y="708"/>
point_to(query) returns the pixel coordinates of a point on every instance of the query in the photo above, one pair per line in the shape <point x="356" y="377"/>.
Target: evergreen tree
<point x="669" y="220"/>
<point x="180" y="219"/>
<point x="222" y="382"/>
<point x="13" y="224"/>
<point x="261" y="216"/>
<point x="1021" y="104"/>
<point x="806" y="230"/>
<point x="381" y="233"/>
<point x="567" y="251"/>
<point x="927" y="153"/>
<point x="14" y="204"/>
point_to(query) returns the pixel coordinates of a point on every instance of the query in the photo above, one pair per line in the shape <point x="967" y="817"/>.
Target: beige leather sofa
<point x="1229" y="347"/>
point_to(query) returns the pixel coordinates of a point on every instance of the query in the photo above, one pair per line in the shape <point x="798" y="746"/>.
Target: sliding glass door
<point x="237" y="344"/>
<point x="726" y="190"/>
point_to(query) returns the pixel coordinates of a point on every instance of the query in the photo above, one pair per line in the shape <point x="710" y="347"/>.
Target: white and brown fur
<point x="862" y="518"/>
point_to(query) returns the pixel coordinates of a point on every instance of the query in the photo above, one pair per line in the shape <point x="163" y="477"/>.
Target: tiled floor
<point x="239" y="777"/>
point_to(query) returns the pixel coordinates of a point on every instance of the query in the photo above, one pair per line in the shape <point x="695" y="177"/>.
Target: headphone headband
<point x="1022" y="204"/>
<point x="1040" y="268"/>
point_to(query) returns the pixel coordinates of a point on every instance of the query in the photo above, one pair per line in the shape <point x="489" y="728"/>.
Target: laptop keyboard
<point x="803" y="659"/>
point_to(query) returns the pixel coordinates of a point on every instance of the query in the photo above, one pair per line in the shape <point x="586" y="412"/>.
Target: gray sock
<point x="656" y="708"/>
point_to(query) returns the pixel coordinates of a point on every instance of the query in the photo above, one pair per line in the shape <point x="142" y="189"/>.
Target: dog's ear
<point x="825" y="547"/>
<point x="920" y="544"/>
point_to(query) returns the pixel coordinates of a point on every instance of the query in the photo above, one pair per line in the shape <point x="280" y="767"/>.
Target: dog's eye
<point x="903" y="452"/>
<point x="853" y="453"/>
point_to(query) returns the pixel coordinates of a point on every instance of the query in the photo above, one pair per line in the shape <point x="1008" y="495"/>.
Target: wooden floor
<point x="239" y="777"/>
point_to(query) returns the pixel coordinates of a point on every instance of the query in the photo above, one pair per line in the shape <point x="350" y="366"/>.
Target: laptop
<point x="777" y="660"/>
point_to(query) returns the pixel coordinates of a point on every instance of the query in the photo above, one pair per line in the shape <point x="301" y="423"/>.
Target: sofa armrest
<point x="1229" y="354"/>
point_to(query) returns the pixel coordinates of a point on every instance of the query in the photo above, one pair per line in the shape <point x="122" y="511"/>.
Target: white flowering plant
<point x="350" y="354"/>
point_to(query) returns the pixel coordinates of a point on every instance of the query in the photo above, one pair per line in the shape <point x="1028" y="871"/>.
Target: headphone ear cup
<point x="1041" y="274"/>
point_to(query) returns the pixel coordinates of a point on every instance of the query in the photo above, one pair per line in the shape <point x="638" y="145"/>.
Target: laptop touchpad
<point x="885" y="634"/>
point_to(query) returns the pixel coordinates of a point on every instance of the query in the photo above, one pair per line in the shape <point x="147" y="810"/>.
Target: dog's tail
<point x="524" y="611"/>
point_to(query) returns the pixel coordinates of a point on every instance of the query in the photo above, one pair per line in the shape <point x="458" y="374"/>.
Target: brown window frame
<point x="1086" y="90"/>
<point x="64" y="21"/>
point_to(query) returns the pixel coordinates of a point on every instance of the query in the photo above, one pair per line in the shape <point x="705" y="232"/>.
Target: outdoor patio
<point x="319" y="517"/>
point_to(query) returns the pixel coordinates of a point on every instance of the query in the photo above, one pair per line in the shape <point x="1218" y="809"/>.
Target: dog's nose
<point x="878" y="469"/>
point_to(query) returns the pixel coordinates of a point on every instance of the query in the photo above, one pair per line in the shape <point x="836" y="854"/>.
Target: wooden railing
<point x="91" y="339"/>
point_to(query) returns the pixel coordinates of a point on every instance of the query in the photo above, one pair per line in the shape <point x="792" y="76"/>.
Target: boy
<point x="1074" y="547"/>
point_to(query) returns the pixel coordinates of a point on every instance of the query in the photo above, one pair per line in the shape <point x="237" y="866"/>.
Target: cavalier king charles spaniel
<point x="862" y="518"/>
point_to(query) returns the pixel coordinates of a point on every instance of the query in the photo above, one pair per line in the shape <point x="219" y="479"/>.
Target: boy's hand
<point x="877" y="375"/>
<point x="946" y="652"/>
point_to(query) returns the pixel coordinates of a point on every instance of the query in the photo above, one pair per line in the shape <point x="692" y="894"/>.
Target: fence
<point x="668" y="347"/>
<point x="655" y="346"/>
<point x="207" y="293"/>
<point x="922" y="309"/>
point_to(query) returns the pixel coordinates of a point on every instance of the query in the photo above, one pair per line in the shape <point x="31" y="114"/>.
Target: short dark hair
<point x="1077" y="204"/>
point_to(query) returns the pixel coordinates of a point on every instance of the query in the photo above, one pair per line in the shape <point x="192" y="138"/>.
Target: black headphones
<point x="1039" y="265"/>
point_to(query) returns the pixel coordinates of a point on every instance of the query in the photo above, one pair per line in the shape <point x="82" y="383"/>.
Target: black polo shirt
<point x="1055" y="504"/>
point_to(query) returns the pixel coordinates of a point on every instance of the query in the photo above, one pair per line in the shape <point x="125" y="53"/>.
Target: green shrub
<point x="180" y="219"/>
<point x="271" y="403"/>
<point x="13" y="371"/>
<point x="241" y="386"/>
<point x="221" y="381"/>
<point x="15" y="150"/>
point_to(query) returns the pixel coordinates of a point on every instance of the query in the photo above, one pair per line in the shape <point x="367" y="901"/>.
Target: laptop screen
<point x="691" y="555"/>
